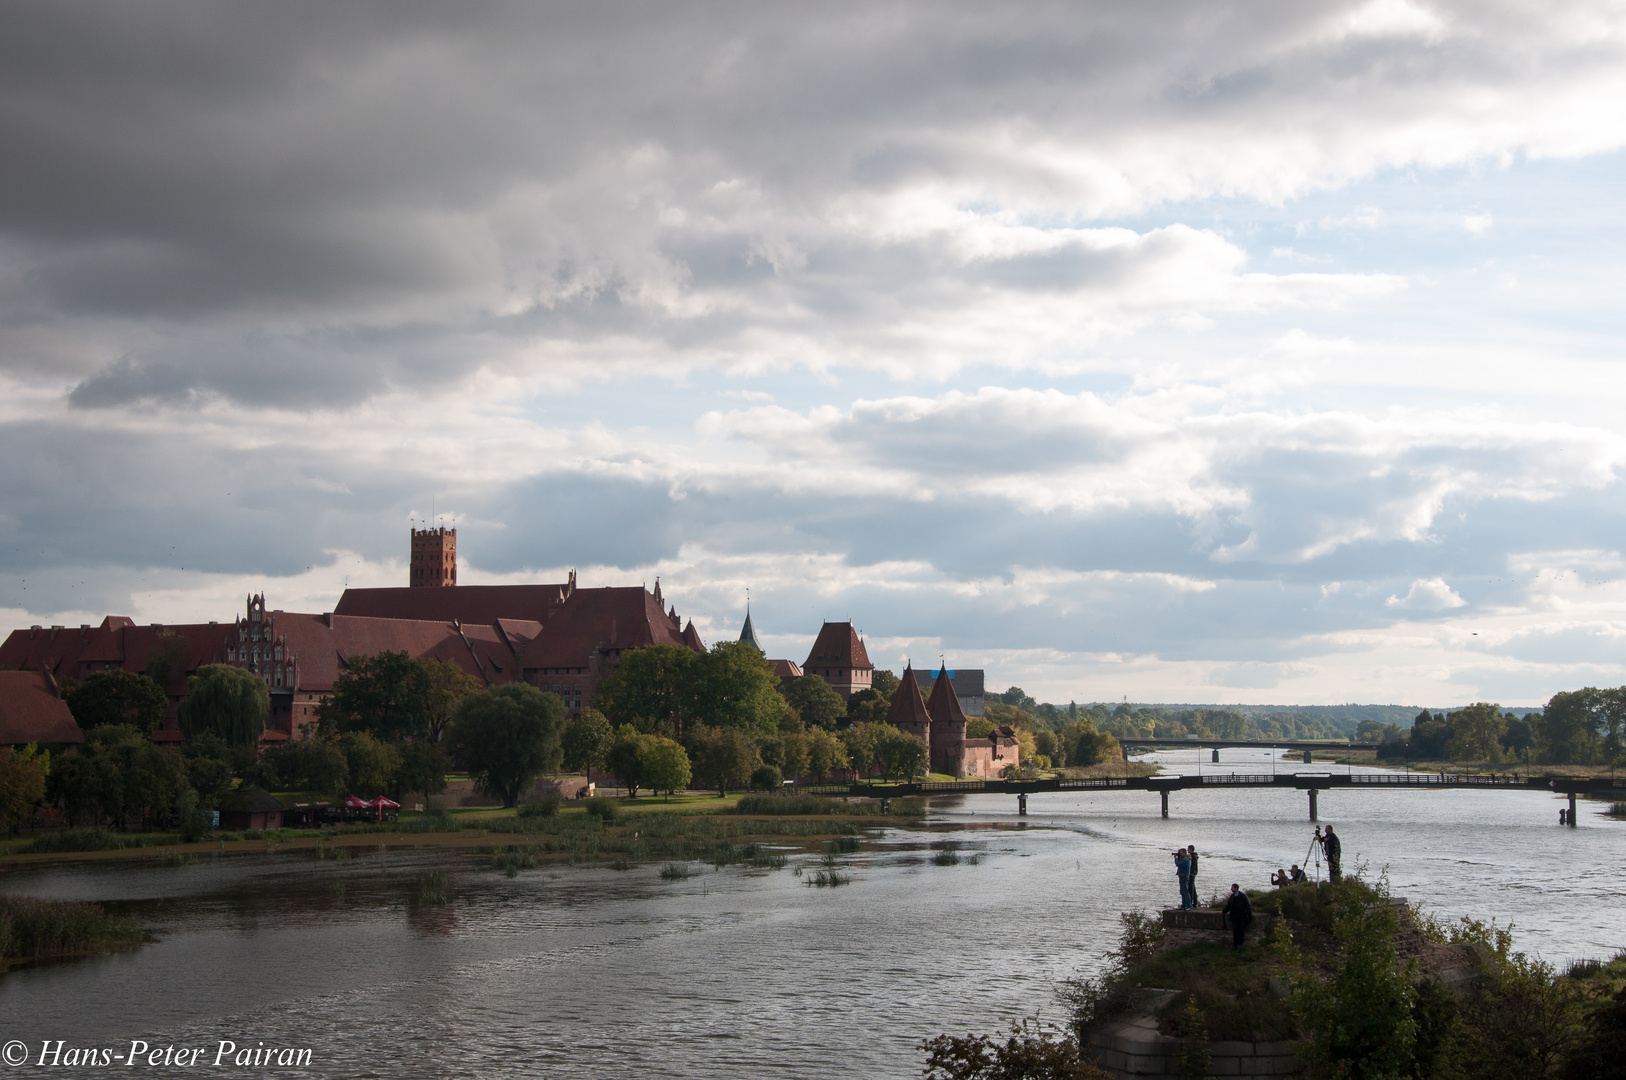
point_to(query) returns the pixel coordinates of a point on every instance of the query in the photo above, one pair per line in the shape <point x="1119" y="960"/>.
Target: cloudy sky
<point x="1262" y="352"/>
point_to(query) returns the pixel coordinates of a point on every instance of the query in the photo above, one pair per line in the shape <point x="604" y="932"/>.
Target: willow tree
<point x="226" y="701"/>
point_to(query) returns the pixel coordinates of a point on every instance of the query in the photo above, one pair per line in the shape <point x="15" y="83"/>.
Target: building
<point x="948" y="726"/>
<point x="32" y="711"/>
<point x="967" y="684"/>
<point x="908" y="712"/>
<point x="250" y="808"/>
<point x="782" y="669"/>
<point x="839" y="658"/>
<point x="940" y="724"/>
<point x="434" y="558"/>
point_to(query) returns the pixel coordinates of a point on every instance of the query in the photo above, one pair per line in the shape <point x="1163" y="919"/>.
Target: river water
<point x="586" y="972"/>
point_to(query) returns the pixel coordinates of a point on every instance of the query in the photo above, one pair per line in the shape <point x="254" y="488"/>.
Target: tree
<point x="586" y="740"/>
<point x="317" y="764"/>
<point x="226" y="701"/>
<point x="449" y="684"/>
<point x="118" y="697"/>
<point x="826" y="754"/>
<point x="885" y="684"/>
<point x="865" y="707"/>
<point x="665" y="765"/>
<point x="122" y="775"/>
<point x="739" y="690"/>
<point x="1476" y="733"/>
<point x="978" y="727"/>
<point x="654" y="685"/>
<point x="372" y="763"/>
<point x="625" y="758"/>
<point x="22" y="783"/>
<point x="859" y="741"/>
<point x="507" y="737"/>
<point x="898" y="753"/>
<point x="422" y="769"/>
<point x="208" y="767"/>
<point x="814" y="700"/>
<point x="168" y="656"/>
<point x="1567" y="729"/>
<point x="726" y="758"/>
<point x="387" y="695"/>
<point x="794" y="755"/>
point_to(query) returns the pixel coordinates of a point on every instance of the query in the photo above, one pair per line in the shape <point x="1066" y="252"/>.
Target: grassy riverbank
<point x="689" y="826"/>
<point x="32" y="929"/>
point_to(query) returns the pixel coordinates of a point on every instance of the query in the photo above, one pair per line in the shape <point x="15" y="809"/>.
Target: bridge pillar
<point x="1572" y="810"/>
<point x="1165" y="802"/>
<point x="1022" y="804"/>
<point x="1307" y="757"/>
<point x="1216" y="755"/>
<point x="1312" y="805"/>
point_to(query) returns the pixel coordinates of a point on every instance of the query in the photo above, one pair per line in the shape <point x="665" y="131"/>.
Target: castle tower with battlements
<point x="434" y="557"/>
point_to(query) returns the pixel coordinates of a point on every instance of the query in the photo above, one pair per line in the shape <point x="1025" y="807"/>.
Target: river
<point x="587" y="972"/>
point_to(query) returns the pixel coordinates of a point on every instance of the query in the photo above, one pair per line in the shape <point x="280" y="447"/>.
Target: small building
<point x="967" y="683"/>
<point x="31" y="711"/>
<point x="250" y="808"/>
<point x="993" y="755"/>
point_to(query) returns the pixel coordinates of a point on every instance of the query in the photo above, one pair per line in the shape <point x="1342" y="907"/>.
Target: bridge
<point x="1205" y="743"/>
<point x="1311" y="783"/>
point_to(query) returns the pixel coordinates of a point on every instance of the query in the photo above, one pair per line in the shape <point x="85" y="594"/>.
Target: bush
<point x="30" y="927"/>
<point x="1028" y="1052"/>
<point x="766" y="778"/>
<point x="606" y="810"/>
<point x="97" y="839"/>
<point x="545" y="807"/>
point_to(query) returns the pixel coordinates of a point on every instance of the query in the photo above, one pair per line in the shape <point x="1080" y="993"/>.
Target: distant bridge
<point x="1205" y="743"/>
<point x="1312" y="783"/>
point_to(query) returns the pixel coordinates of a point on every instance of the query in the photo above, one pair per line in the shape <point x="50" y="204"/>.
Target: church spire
<point x="748" y="633"/>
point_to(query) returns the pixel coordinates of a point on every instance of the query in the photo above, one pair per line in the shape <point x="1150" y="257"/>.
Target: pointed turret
<point x="948" y="726"/>
<point x="748" y="634"/>
<point x="908" y="712"/>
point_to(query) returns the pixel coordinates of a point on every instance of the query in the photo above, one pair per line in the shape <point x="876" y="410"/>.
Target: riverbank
<point x="32" y="930"/>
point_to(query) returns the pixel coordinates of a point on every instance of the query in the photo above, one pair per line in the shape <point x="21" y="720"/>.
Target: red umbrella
<point x="351" y="802"/>
<point x="382" y="802"/>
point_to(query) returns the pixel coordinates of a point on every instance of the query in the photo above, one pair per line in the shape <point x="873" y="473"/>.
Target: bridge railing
<point x="1248" y="779"/>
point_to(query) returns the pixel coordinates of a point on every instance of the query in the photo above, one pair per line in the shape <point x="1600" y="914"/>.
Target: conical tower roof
<point x="944" y="705"/>
<point x="748" y="634"/>
<point x="908" y="711"/>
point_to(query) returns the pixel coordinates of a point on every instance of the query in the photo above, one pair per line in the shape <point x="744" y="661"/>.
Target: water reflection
<point x="590" y="972"/>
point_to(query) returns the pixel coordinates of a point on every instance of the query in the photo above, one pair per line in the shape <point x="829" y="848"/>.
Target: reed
<point x="32" y="928"/>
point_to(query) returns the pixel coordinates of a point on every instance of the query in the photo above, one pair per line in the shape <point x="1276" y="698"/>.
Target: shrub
<point x="766" y="778"/>
<point x="1029" y="1051"/>
<point x="97" y="839"/>
<point x="545" y="807"/>
<point x="606" y="810"/>
<point x="31" y="927"/>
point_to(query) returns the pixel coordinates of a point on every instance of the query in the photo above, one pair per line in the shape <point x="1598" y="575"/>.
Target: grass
<point x="946" y="858"/>
<point x="675" y="871"/>
<point x="1617" y="809"/>
<point x="827" y="879"/>
<point x="513" y="860"/>
<point x="33" y="929"/>
<point x="432" y="888"/>
<point x="821" y="806"/>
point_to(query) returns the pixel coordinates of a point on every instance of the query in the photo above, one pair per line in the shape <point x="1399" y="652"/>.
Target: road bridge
<point x="1309" y="746"/>
<point x="1310" y="783"/>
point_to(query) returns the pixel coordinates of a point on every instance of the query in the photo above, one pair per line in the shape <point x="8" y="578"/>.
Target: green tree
<point x="864" y="707"/>
<point x="826" y="753"/>
<point x="118" y="697"/>
<point x="978" y="727"/>
<point x="814" y="701"/>
<point x="739" y="690"/>
<point x="507" y="737"/>
<point x="449" y="684"/>
<point x="1567" y="731"/>
<point x="859" y="741"/>
<point x="386" y="695"/>
<point x="653" y="685"/>
<point x="125" y="775"/>
<point x="423" y="768"/>
<point x="1362" y="1020"/>
<point x="166" y="659"/>
<point x="725" y="759"/>
<point x="227" y="701"/>
<point x="312" y="764"/>
<point x="1476" y="733"/>
<point x="586" y="740"/>
<point x="885" y="684"/>
<point x="371" y="762"/>
<point x="898" y="753"/>
<point x="794" y="755"/>
<point x="665" y="765"/>
<point x="89" y="788"/>
<point x="22" y="783"/>
<point x="208" y="768"/>
<point x="625" y="757"/>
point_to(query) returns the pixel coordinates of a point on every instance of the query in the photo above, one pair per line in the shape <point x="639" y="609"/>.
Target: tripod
<point x="1315" y="853"/>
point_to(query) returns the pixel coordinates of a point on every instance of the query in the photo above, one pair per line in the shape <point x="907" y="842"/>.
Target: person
<point x="1563" y="816"/>
<point x="1296" y="875"/>
<point x="1182" y="870"/>
<point x="1280" y="879"/>
<point x="1238" y="910"/>
<point x="1191" y="850"/>
<point x="1334" y="851"/>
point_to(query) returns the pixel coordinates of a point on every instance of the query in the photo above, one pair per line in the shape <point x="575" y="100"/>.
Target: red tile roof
<point x="481" y="605"/>
<point x="786" y="669"/>
<point x="30" y="711"/>
<point x="838" y="645"/>
<point x="908" y="712"/>
<point x="944" y="705"/>
<point x="613" y="619"/>
<point x="322" y="644"/>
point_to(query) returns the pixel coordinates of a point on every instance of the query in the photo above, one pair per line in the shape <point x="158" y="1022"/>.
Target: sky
<point x="1198" y="352"/>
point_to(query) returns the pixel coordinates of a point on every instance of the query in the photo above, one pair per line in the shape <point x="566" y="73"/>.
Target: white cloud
<point x="1430" y="594"/>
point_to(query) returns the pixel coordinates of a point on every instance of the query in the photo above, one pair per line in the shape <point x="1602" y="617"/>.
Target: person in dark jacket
<point x="1182" y="870"/>
<point x="1335" y="851"/>
<point x="1239" y="910"/>
<point x="1191" y="882"/>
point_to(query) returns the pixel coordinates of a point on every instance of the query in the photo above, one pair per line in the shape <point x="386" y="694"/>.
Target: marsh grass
<point x="946" y="858"/>
<point x="827" y="879"/>
<point x="31" y="928"/>
<point x="513" y="860"/>
<point x="675" y="871"/>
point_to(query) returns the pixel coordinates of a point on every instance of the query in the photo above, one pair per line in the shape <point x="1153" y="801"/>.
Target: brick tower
<point x="908" y="712"/>
<point x="948" y="726"/>
<point x="434" y="557"/>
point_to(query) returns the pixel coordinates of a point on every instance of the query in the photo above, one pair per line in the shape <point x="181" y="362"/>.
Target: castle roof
<point x="838" y="645"/>
<point x="613" y="619"/>
<point x="944" y="705"/>
<point x="324" y="644"/>
<point x="968" y="682"/>
<point x="477" y="604"/>
<point x="786" y="669"/>
<point x="748" y="635"/>
<point x="907" y="709"/>
<point x="30" y="711"/>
